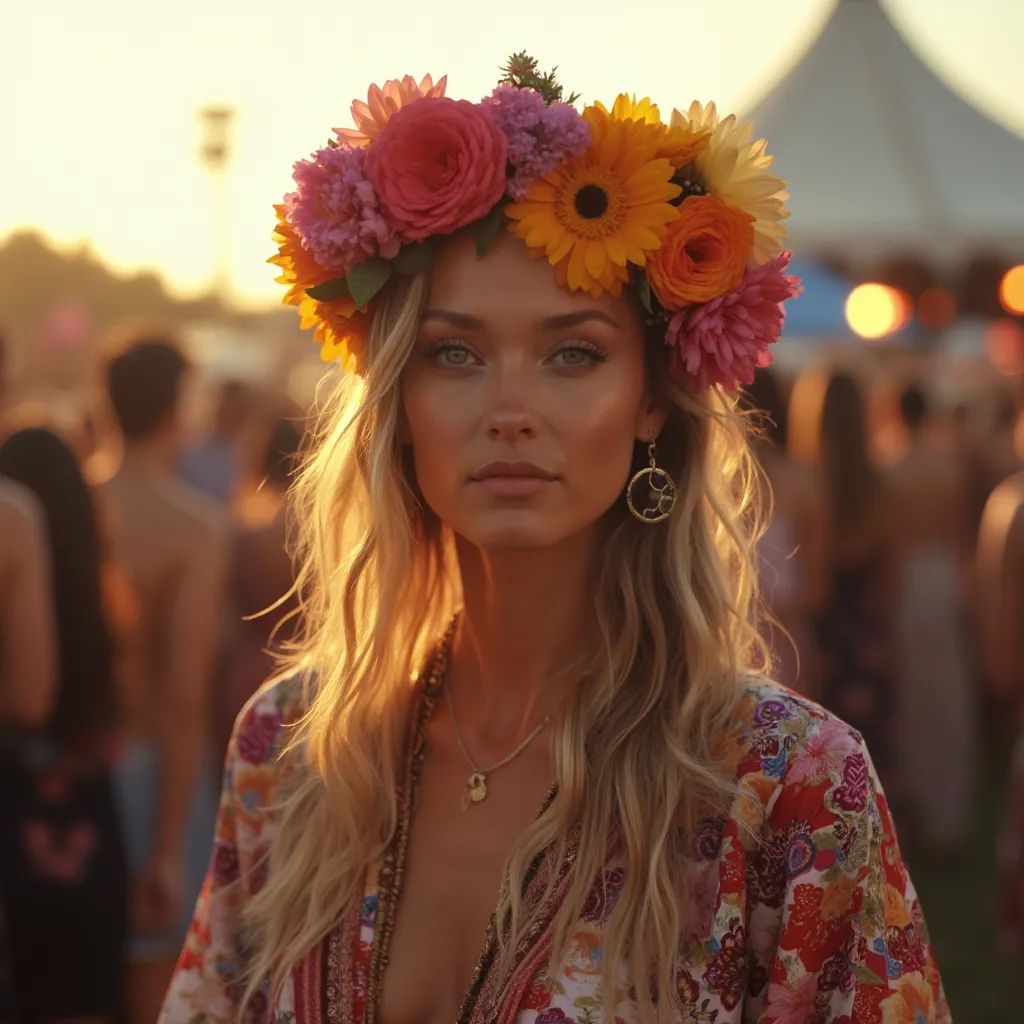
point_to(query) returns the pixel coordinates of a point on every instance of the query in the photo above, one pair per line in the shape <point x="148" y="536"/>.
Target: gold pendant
<point x="476" y="790"/>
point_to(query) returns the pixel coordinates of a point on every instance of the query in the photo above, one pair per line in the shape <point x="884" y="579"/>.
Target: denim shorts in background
<point x="136" y="776"/>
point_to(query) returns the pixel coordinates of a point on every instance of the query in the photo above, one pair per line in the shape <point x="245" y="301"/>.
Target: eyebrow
<point x="551" y="323"/>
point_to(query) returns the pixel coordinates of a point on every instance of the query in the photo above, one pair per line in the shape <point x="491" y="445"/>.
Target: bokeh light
<point x="1011" y="290"/>
<point x="1004" y="343"/>
<point x="875" y="311"/>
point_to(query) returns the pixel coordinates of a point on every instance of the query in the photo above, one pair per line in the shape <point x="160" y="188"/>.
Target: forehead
<point x="510" y="285"/>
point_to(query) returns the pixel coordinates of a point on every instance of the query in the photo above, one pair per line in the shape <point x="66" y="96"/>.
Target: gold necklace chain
<point x="476" y="784"/>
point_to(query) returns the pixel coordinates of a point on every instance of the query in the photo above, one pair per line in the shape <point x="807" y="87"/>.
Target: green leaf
<point x="644" y="289"/>
<point x="366" y="279"/>
<point x="415" y="258"/>
<point x="329" y="290"/>
<point x="485" y="231"/>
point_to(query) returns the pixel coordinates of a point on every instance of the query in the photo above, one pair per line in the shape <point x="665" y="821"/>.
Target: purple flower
<point x="769" y="711"/>
<point x="540" y="137"/>
<point x="800" y="855"/>
<point x="257" y="735"/>
<point x="709" y="838"/>
<point x="852" y="794"/>
<point x="554" y="1016"/>
<point x="335" y="211"/>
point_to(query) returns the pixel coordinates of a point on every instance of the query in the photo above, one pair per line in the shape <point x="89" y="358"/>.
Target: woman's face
<point x="521" y="399"/>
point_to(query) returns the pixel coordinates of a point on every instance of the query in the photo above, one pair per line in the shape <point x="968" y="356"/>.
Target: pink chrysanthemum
<point x="725" y="341"/>
<point x="335" y="211"/>
<point x="540" y="137"/>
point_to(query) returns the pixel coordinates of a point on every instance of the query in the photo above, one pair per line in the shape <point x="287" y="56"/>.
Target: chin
<point x="515" y="528"/>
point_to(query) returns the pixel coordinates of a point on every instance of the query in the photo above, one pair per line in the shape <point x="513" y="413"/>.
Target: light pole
<point x="215" y="153"/>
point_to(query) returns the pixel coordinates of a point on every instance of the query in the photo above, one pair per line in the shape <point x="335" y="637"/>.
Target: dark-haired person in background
<point x="791" y="550"/>
<point x="936" y="705"/>
<point x="261" y="570"/>
<point x="62" y="863"/>
<point x="829" y="431"/>
<point x="170" y="540"/>
<point x="1001" y="617"/>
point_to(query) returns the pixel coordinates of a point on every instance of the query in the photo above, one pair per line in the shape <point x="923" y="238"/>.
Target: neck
<point x="149" y="456"/>
<point x="522" y="633"/>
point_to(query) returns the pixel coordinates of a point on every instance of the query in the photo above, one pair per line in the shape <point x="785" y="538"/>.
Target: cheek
<point x="597" y="439"/>
<point x="436" y="428"/>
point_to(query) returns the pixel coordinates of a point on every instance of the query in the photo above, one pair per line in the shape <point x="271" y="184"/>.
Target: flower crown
<point x="686" y="213"/>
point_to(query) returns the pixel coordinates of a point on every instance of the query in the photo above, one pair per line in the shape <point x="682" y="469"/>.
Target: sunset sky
<point x="99" y="121"/>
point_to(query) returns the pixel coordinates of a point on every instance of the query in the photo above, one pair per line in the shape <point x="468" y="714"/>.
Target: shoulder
<point x="21" y="520"/>
<point x="794" y="757"/>
<point x="255" y="768"/>
<point x="264" y="725"/>
<point x="18" y="506"/>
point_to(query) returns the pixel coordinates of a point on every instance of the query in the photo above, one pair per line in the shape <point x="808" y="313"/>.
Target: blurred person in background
<point x="1001" y="618"/>
<point x="62" y="861"/>
<point x="27" y="658"/>
<point x="27" y="652"/>
<point x="936" y="706"/>
<point x="213" y="463"/>
<point x="261" y="576"/>
<point x="791" y="550"/>
<point x="170" y="540"/>
<point x="829" y="431"/>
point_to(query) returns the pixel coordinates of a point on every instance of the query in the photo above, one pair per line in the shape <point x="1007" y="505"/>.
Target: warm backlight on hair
<point x="1011" y="290"/>
<point x="876" y="310"/>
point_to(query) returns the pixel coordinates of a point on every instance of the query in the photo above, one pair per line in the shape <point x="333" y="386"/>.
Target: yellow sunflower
<point x="679" y="143"/>
<point x="601" y="210"/>
<point x="337" y="327"/>
<point x="735" y="169"/>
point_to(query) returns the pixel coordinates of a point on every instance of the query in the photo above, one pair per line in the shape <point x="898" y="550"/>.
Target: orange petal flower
<point x="337" y="327"/>
<point x="382" y="102"/>
<point x="703" y="254"/>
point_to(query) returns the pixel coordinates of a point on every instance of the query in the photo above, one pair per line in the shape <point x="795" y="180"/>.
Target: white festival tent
<point x="885" y="160"/>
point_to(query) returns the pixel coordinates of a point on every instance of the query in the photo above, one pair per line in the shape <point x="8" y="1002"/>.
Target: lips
<point x="519" y="470"/>
<point x="513" y="480"/>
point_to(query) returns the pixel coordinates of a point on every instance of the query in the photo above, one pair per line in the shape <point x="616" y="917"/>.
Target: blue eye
<point x="578" y="353"/>
<point x="450" y="354"/>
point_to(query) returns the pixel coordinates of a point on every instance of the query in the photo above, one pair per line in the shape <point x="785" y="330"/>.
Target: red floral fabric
<point x="805" y="912"/>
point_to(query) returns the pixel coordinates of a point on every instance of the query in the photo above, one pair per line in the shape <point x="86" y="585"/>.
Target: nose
<point x="510" y="414"/>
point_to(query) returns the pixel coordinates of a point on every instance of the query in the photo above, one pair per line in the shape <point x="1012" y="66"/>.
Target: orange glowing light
<point x="936" y="308"/>
<point x="875" y="310"/>
<point x="1011" y="290"/>
<point x="1004" y="342"/>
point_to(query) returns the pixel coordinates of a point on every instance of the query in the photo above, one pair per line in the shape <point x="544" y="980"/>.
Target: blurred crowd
<point x="137" y="547"/>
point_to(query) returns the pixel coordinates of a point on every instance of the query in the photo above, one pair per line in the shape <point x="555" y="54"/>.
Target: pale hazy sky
<point x="99" y="131"/>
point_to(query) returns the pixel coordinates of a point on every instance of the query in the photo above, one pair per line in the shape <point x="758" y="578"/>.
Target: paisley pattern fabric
<point x="805" y="912"/>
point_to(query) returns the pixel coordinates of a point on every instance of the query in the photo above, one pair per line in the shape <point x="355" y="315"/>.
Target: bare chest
<point x="453" y="874"/>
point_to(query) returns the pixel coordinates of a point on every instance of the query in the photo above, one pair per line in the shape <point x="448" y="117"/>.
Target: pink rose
<point x="437" y="165"/>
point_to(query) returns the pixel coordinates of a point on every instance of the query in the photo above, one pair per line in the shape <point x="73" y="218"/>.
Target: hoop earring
<point x="661" y="492"/>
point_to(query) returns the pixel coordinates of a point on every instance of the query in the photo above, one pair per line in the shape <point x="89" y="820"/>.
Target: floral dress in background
<point x="804" y="909"/>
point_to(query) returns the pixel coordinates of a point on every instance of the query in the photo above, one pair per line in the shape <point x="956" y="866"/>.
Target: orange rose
<point x="703" y="254"/>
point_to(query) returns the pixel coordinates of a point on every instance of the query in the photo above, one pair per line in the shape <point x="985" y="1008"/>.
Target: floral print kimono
<point x="804" y="909"/>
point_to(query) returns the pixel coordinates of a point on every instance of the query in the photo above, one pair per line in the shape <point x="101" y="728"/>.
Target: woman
<point x="667" y="836"/>
<point x="62" y="863"/>
<point x="855" y="629"/>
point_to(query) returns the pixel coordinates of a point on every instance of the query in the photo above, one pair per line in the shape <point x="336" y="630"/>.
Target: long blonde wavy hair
<point x="675" y="613"/>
